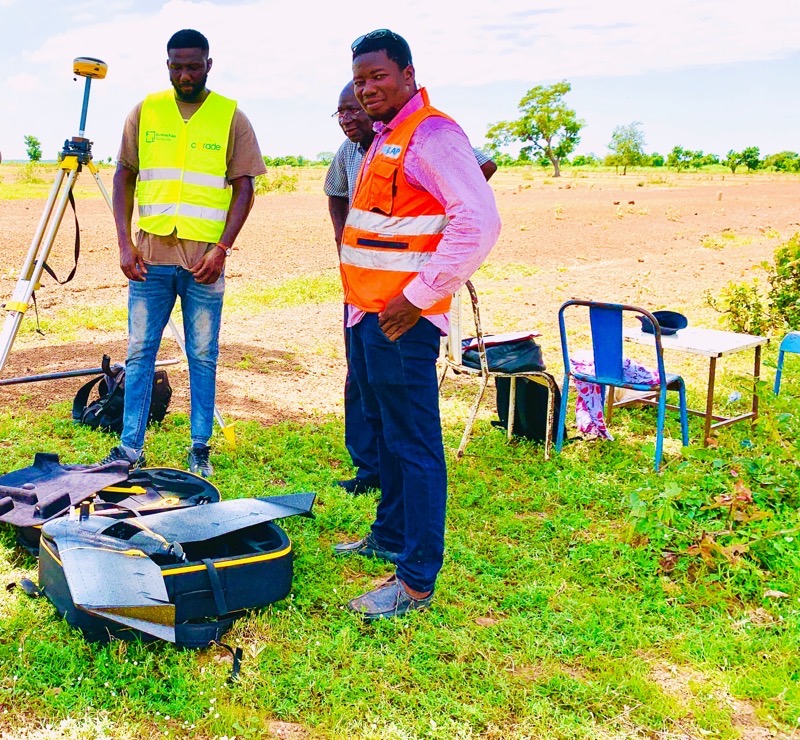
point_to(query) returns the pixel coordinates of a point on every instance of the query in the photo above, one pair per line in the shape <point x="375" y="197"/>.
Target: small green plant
<point x="726" y="238"/>
<point x="743" y="306"/>
<point x="30" y="174"/>
<point x="746" y="307"/>
<point x="784" y="282"/>
<point x="279" y="182"/>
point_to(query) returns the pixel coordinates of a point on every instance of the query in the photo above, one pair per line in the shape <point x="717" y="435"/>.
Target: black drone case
<point x="222" y="580"/>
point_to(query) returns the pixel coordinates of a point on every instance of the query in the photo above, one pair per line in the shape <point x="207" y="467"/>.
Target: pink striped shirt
<point x="440" y="160"/>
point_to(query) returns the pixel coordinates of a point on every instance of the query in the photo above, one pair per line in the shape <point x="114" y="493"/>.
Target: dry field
<point x="637" y="239"/>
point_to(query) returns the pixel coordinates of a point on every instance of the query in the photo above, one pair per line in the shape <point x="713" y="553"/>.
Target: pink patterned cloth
<point x="589" y="402"/>
<point x="440" y="160"/>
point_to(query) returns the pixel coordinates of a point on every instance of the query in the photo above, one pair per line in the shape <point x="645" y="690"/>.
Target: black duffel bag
<point x="106" y="412"/>
<point x="520" y="356"/>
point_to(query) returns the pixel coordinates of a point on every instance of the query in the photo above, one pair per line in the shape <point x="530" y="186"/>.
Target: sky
<point x="703" y="74"/>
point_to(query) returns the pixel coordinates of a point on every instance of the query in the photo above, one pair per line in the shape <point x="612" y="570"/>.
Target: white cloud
<point x="266" y="48"/>
<point x="288" y="60"/>
<point x="23" y="82"/>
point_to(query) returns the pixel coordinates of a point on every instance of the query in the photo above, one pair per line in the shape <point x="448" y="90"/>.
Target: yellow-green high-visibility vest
<point x="182" y="166"/>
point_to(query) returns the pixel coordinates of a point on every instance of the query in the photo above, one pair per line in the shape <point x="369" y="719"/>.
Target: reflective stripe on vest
<point x="408" y="225"/>
<point x="182" y="185"/>
<point x="172" y="173"/>
<point x="172" y="209"/>
<point x="393" y="228"/>
<point x="384" y="260"/>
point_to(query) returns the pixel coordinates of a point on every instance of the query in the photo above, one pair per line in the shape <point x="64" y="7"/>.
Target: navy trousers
<point x="359" y="438"/>
<point x="400" y="398"/>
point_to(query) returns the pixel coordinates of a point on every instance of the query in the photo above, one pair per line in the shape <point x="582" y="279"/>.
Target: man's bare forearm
<point x="131" y="261"/>
<point x="122" y="202"/>
<point x="241" y="205"/>
<point x="338" y="209"/>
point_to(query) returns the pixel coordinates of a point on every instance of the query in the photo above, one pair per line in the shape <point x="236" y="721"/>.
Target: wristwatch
<point x="225" y="249"/>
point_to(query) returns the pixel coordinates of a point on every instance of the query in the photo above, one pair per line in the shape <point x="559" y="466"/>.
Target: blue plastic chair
<point x="605" y="321"/>
<point x="790" y="343"/>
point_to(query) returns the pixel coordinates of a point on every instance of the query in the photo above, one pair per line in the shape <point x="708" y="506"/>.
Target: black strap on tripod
<point x="71" y="275"/>
<point x="36" y="312"/>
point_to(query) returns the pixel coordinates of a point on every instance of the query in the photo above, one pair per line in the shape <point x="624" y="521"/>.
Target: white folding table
<point x="713" y="344"/>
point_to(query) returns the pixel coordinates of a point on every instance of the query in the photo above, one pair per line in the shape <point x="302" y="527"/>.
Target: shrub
<point x="783" y="162"/>
<point x="585" y="160"/>
<point x="279" y="182"/>
<point x="30" y="174"/>
<point x="743" y="306"/>
<point x="784" y="282"/>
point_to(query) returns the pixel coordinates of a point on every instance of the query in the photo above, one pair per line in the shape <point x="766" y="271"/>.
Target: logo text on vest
<point x="391" y="150"/>
<point x="150" y="137"/>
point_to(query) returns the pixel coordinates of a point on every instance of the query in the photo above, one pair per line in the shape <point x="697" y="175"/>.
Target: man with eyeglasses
<point x="340" y="183"/>
<point x="422" y="221"/>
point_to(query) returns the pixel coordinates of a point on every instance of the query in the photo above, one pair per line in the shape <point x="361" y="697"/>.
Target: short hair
<point x="188" y="39"/>
<point x="395" y="46"/>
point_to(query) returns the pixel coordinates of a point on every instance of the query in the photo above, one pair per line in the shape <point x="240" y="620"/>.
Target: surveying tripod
<point x="76" y="154"/>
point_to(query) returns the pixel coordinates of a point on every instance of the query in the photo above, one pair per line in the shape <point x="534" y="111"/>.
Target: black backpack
<point x="107" y="411"/>
<point x="530" y="408"/>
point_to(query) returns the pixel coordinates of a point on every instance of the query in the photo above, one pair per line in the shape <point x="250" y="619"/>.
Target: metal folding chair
<point x="790" y="343"/>
<point x="452" y="360"/>
<point x="605" y="323"/>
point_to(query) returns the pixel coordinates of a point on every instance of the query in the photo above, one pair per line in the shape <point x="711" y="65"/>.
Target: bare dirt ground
<point x="637" y="239"/>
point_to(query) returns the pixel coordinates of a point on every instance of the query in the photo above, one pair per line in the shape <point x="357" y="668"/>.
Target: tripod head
<point x="91" y="69"/>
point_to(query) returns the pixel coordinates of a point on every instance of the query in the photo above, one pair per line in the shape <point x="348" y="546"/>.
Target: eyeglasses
<point x="346" y="113"/>
<point x="380" y="33"/>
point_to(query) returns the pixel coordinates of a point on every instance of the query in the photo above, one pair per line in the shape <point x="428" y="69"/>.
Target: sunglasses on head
<point x="381" y="33"/>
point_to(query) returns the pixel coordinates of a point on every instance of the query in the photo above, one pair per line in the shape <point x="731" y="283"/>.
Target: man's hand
<point x="132" y="262"/>
<point x="209" y="266"/>
<point x="398" y="317"/>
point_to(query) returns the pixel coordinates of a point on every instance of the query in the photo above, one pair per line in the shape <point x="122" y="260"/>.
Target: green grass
<point x="555" y="613"/>
<point x="726" y="238"/>
<point x="505" y="271"/>
<point x="35" y="180"/>
<point x="70" y="324"/>
<point x="323" y="287"/>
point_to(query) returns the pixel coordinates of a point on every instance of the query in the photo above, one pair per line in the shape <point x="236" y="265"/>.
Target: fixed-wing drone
<point x="181" y="576"/>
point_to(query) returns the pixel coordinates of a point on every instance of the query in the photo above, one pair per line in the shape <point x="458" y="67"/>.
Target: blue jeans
<point x="149" y="307"/>
<point x="400" y="397"/>
<point x="358" y="436"/>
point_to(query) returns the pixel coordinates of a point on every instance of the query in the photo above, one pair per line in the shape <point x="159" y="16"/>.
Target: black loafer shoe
<point x="368" y="548"/>
<point x="358" y="486"/>
<point x="389" y="600"/>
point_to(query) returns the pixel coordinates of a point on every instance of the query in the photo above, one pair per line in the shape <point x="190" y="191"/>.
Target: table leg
<point x="512" y="406"/>
<point x="712" y="373"/>
<point x="756" y="378"/>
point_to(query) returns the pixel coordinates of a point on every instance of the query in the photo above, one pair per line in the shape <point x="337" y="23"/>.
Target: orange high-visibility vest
<point x="393" y="228"/>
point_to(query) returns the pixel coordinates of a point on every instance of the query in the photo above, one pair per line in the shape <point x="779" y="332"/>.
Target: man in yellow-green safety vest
<point x="189" y="156"/>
